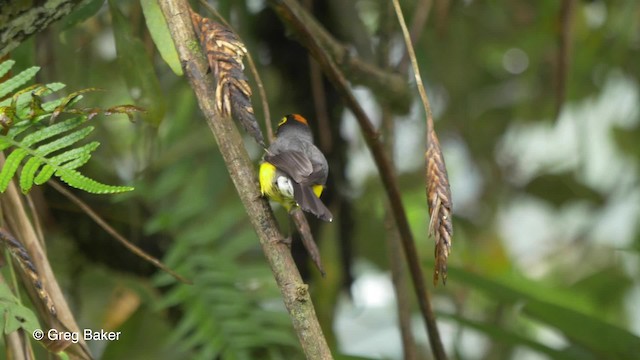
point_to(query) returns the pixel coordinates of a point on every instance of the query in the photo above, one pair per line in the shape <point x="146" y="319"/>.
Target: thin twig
<point x="113" y="232"/>
<point x="421" y="14"/>
<point x="294" y="292"/>
<point x="437" y="180"/>
<point x="398" y="272"/>
<point x="289" y="13"/>
<point x="302" y="225"/>
<point x="394" y="244"/>
<point x="36" y="220"/>
<point x="254" y="71"/>
<point x="414" y="64"/>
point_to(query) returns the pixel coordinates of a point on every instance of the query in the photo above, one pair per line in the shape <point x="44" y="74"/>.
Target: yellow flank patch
<point x="269" y="188"/>
<point x="317" y="189"/>
<point x="266" y="175"/>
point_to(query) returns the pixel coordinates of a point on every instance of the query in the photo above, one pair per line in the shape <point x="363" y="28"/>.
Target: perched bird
<point x="294" y="171"/>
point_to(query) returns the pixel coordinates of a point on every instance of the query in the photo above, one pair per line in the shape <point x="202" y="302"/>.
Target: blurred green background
<point x="545" y="260"/>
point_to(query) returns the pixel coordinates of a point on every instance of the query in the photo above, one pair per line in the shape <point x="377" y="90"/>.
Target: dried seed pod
<point x="439" y="201"/>
<point x="224" y="52"/>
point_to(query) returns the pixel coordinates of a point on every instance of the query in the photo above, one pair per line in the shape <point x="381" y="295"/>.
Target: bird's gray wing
<point x="293" y="163"/>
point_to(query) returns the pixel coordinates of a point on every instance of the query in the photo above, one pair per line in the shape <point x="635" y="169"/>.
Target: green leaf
<point x="13" y="314"/>
<point x="64" y="141"/>
<point x="79" y="181"/>
<point x="51" y="131"/>
<point x="28" y="173"/>
<point x="5" y="66"/>
<point x="20" y="317"/>
<point x="4" y="144"/>
<point x="17" y="81"/>
<point x="603" y="339"/>
<point x="63" y="355"/>
<point x="159" y="31"/>
<point x="498" y="333"/>
<point x="10" y="167"/>
<point x="82" y="13"/>
<point x="44" y="175"/>
<point x="22" y="113"/>
<point x="137" y="68"/>
<point x="24" y="98"/>
<point x="77" y="157"/>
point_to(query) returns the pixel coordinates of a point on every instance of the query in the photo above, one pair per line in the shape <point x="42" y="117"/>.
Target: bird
<point x="294" y="171"/>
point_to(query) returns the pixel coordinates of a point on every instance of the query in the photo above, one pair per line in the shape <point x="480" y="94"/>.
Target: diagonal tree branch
<point x="21" y="19"/>
<point x="113" y="232"/>
<point x="294" y="291"/>
<point x="290" y="13"/>
<point x="18" y="222"/>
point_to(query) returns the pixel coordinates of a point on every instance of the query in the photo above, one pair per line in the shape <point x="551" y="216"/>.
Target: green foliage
<point x="233" y="310"/>
<point x="45" y="150"/>
<point x="557" y="309"/>
<point x="83" y="12"/>
<point x="137" y="67"/>
<point x="224" y="312"/>
<point x="159" y="31"/>
<point x="507" y="336"/>
<point x="17" y="81"/>
<point x="14" y="315"/>
<point x="567" y="289"/>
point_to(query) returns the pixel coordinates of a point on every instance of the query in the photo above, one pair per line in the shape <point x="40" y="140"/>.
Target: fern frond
<point x="17" y="81"/>
<point x="62" y="165"/>
<point x="74" y="179"/>
<point x="10" y="167"/>
<point x="27" y="176"/>
<point x="44" y="175"/>
<point x="51" y="131"/>
<point x="223" y="316"/>
<point x="6" y="66"/>
<point x="22" y="98"/>
<point x="75" y="158"/>
<point x="64" y="141"/>
<point x="50" y="149"/>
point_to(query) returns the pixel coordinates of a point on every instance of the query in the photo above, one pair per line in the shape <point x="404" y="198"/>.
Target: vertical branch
<point x="319" y="98"/>
<point x="398" y="271"/>
<point x="294" y="291"/>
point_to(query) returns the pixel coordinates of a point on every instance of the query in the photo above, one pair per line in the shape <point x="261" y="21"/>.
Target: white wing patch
<point x="285" y="186"/>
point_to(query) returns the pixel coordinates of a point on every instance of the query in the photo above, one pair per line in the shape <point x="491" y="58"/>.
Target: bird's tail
<point x="309" y="202"/>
